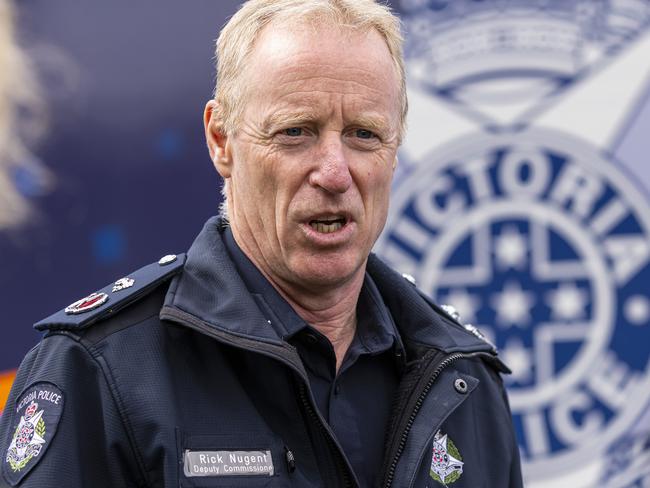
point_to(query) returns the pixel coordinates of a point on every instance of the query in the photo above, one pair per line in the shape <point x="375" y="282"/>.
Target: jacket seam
<point x="115" y="397"/>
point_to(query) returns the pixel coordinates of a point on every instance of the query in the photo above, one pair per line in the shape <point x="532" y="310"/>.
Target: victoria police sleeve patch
<point x="36" y="416"/>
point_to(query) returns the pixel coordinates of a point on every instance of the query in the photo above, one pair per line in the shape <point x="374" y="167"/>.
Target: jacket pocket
<point x="227" y="460"/>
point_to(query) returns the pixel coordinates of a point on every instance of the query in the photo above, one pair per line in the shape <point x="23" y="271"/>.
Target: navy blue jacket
<point x="178" y="381"/>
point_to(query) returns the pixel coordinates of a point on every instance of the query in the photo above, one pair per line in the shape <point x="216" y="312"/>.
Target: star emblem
<point x="513" y="305"/>
<point x="567" y="302"/>
<point x="28" y="440"/>
<point x="519" y="358"/>
<point x="510" y="249"/>
<point x="446" y="462"/>
<point x="37" y="438"/>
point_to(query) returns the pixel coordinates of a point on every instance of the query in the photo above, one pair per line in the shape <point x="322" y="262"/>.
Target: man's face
<point x="311" y="162"/>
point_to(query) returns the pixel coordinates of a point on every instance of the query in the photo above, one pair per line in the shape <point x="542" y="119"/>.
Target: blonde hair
<point x="237" y="40"/>
<point x="18" y="94"/>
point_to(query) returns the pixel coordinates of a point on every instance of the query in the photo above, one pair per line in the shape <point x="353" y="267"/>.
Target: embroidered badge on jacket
<point x="37" y="415"/>
<point x="446" y="461"/>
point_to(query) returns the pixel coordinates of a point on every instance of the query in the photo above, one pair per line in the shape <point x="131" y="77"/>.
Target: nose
<point x="332" y="172"/>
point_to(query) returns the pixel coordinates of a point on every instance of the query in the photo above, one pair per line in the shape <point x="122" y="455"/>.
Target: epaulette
<point x="114" y="297"/>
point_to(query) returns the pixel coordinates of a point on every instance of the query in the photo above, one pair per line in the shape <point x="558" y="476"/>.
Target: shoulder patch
<point x="36" y="417"/>
<point x="105" y="302"/>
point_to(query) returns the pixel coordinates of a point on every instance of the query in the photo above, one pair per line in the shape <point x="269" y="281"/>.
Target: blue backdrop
<point x="125" y="83"/>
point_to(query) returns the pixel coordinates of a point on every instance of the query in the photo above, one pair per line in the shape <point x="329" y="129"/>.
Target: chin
<point x="328" y="272"/>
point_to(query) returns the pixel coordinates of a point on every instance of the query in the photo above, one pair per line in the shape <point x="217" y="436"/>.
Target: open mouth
<point x="327" y="225"/>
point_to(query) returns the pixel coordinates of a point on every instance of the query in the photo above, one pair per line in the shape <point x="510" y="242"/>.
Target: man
<point x="278" y="352"/>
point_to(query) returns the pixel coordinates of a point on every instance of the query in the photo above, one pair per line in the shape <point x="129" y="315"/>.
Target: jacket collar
<point x="419" y="320"/>
<point x="210" y="289"/>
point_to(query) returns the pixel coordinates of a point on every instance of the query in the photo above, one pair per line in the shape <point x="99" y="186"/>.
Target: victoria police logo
<point x="513" y="206"/>
<point x="446" y="461"/>
<point x="546" y="248"/>
<point x="37" y="414"/>
<point x="28" y="439"/>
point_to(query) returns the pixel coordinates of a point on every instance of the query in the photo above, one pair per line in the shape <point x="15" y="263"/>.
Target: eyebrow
<point x="375" y="123"/>
<point x="288" y="118"/>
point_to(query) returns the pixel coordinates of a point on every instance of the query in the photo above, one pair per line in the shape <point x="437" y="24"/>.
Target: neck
<point x="330" y="309"/>
<point x="333" y="313"/>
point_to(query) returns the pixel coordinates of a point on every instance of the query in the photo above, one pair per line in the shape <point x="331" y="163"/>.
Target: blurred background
<point x="521" y="197"/>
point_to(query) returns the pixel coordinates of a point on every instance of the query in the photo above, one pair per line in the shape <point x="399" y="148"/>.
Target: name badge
<point x="227" y="463"/>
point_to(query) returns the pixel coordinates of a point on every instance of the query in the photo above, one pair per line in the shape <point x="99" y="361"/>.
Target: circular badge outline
<point x="584" y="152"/>
<point x="605" y="304"/>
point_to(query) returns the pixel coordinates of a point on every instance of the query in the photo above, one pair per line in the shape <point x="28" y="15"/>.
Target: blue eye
<point x="364" y="134"/>
<point x="293" y="131"/>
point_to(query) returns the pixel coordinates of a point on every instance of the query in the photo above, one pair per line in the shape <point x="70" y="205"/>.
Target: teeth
<point x="326" y="227"/>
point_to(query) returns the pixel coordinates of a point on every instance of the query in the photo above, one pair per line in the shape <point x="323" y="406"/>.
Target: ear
<point x="217" y="139"/>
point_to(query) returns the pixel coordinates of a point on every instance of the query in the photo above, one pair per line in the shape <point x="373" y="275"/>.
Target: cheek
<point x="253" y="173"/>
<point x="377" y="188"/>
<point x="380" y="183"/>
<point x="269" y="183"/>
<point x="382" y="197"/>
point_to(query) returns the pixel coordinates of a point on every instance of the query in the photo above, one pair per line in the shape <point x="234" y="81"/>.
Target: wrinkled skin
<point x="317" y="142"/>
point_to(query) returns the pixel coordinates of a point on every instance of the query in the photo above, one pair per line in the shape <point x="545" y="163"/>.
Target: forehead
<point x="312" y="61"/>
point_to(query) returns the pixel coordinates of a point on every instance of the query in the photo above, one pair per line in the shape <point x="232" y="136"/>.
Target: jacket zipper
<point x="247" y="344"/>
<point x="341" y="466"/>
<point x="418" y="404"/>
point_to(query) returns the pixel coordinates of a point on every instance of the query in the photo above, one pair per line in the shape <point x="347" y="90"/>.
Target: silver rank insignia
<point x="91" y="302"/>
<point x="167" y="259"/>
<point x="451" y="311"/>
<point x="123" y="283"/>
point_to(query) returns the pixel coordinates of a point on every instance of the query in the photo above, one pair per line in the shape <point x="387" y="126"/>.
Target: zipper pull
<point x="291" y="460"/>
